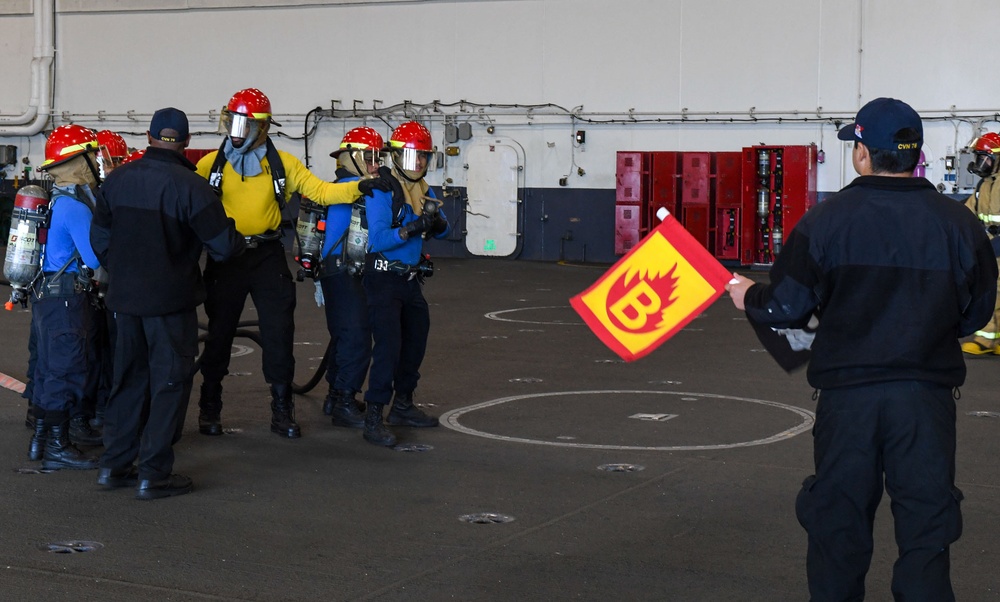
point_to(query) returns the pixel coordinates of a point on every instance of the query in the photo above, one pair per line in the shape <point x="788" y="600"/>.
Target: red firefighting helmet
<point x="136" y="154"/>
<point x="362" y="138"/>
<point x="408" y="143"/>
<point x="246" y="111"/>
<point x="987" y="143"/>
<point x="66" y="142"/>
<point x="115" y="145"/>
<point x="364" y="147"/>
<point x="984" y="155"/>
<point x="411" y="135"/>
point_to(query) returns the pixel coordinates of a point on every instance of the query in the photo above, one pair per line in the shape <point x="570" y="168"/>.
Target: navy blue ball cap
<point x="880" y="122"/>
<point x="169" y="119"/>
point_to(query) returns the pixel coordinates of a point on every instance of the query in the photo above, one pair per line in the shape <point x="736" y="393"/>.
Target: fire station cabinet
<point x="779" y="186"/>
<point x="739" y="205"/>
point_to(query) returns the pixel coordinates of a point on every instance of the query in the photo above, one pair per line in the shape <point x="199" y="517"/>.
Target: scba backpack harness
<point x="353" y="242"/>
<point x="277" y="170"/>
<point x="60" y="283"/>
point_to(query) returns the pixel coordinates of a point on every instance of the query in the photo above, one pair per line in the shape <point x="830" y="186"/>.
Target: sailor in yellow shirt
<point x="985" y="203"/>
<point x="254" y="180"/>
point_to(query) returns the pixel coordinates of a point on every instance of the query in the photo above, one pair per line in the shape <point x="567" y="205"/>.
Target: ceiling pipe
<point x="34" y="119"/>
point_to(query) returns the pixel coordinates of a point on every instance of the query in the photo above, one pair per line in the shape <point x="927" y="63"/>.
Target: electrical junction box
<point x="8" y="155"/>
<point x="964" y="179"/>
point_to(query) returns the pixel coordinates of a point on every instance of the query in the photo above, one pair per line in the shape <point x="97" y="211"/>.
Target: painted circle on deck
<point x="500" y="316"/>
<point x="240" y="350"/>
<point x="451" y="420"/>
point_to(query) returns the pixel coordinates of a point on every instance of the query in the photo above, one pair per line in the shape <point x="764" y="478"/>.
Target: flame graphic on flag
<point x="645" y="286"/>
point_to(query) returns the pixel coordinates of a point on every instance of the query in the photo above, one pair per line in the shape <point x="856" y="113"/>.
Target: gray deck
<point x="533" y="404"/>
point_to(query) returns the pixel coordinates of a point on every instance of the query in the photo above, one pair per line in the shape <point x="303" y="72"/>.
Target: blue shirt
<point x="69" y="230"/>
<point x="383" y="238"/>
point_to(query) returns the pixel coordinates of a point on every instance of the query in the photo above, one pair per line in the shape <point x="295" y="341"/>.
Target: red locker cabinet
<point x="727" y="204"/>
<point x="632" y="177"/>
<point x="695" y="168"/>
<point x="779" y="185"/>
<point x="627" y="234"/>
<point x="665" y="187"/>
<point x="632" y="184"/>
<point x="696" y="195"/>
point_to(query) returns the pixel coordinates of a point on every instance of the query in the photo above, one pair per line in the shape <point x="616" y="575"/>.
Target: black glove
<point x="417" y="226"/>
<point x="398" y="196"/>
<point x="367" y="185"/>
<point x="438" y="226"/>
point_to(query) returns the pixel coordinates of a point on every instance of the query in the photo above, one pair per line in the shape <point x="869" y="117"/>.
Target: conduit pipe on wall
<point x="33" y="120"/>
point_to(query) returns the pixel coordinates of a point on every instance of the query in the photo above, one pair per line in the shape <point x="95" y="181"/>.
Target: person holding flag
<point x="896" y="273"/>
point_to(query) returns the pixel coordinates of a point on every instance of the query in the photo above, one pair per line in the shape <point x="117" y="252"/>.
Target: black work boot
<point x="36" y="449"/>
<point x="98" y="420"/>
<point x="404" y="413"/>
<point x="60" y="451"/>
<point x="81" y="433"/>
<point x="345" y="411"/>
<point x="210" y="409"/>
<point x="283" y="412"/>
<point x="30" y="417"/>
<point x="329" y="402"/>
<point x="375" y="431"/>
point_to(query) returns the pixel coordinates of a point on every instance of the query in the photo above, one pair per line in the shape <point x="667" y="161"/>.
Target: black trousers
<point x="59" y="376"/>
<point x="262" y="273"/>
<point x="350" y="334"/>
<point x="154" y="364"/>
<point x="400" y="322"/>
<point x="29" y="381"/>
<point x="900" y="433"/>
<point x="100" y="361"/>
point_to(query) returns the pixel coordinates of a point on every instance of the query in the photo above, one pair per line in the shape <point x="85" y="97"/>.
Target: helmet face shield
<point x="410" y="159"/>
<point x="104" y="162"/>
<point x="237" y="125"/>
<point x="369" y="159"/>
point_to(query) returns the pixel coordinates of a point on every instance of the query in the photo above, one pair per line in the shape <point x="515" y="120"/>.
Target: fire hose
<point x="244" y="330"/>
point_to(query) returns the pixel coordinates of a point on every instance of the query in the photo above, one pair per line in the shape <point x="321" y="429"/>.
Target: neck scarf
<point x="414" y="191"/>
<point x="245" y="160"/>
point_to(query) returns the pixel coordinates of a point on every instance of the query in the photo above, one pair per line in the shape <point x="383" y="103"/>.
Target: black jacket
<point x="152" y="219"/>
<point x="897" y="273"/>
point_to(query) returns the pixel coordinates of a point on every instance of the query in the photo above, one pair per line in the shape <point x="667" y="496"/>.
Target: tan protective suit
<point x="985" y="203"/>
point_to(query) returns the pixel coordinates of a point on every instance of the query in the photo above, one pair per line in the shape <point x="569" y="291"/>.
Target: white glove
<point x="319" y="294"/>
<point x="800" y="339"/>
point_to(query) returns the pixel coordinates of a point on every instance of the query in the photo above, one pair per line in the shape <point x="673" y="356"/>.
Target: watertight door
<point x="492" y="224"/>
